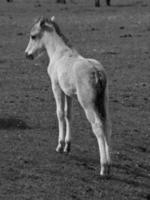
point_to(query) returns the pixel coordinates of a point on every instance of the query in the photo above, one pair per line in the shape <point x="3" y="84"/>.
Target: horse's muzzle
<point x="29" y="56"/>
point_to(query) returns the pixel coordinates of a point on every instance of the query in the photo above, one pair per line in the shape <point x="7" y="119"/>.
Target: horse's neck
<point x="55" y="46"/>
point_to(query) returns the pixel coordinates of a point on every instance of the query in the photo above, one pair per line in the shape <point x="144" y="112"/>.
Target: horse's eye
<point x="33" y="37"/>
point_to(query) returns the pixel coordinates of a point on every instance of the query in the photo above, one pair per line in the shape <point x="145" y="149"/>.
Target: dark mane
<point x="58" y="31"/>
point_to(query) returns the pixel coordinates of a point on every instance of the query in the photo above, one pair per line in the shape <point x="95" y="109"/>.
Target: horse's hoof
<point x="104" y="177"/>
<point x="105" y="172"/>
<point x="60" y="147"/>
<point x="67" y="147"/>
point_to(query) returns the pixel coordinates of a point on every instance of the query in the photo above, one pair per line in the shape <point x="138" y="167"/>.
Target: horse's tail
<point x="102" y="105"/>
<point x="101" y="94"/>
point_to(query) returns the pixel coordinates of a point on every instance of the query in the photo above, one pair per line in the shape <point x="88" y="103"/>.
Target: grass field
<point x="30" y="169"/>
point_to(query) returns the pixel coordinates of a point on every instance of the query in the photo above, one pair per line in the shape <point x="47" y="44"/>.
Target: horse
<point x="97" y="3"/>
<point x="73" y="75"/>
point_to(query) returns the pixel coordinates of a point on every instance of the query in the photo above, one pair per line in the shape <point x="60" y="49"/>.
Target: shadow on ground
<point x="13" y="123"/>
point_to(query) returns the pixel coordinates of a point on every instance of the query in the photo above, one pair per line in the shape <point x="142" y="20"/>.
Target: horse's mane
<point x="58" y="31"/>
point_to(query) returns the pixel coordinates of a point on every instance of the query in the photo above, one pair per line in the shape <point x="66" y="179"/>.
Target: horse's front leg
<point x="68" y="105"/>
<point x="59" y="98"/>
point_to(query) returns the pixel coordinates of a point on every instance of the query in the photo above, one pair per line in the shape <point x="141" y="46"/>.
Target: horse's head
<point x="36" y="43"/>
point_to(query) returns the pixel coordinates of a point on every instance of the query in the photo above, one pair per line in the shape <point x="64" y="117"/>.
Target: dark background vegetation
<point x="30" y="169"/>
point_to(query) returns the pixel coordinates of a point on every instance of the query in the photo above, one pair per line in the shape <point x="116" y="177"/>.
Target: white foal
<point x="70" y="74"/>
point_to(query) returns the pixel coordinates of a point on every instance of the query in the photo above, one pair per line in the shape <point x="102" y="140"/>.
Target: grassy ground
<point x="30" y="169"/>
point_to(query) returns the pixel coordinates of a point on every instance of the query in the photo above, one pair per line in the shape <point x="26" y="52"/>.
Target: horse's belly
<point x="67" y="85"/>
<point x="69" y="91"/>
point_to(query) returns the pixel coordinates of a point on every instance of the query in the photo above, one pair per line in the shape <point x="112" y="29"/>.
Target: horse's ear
<point x="53" y="18"/>
<point x="45" y="24"/>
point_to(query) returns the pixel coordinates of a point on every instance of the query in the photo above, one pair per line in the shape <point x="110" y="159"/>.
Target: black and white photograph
<point x="74" y="100"/>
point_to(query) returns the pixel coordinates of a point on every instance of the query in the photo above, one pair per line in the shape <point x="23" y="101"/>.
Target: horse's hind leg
<point x="98" y="128"/>
<point x="107" y="131"/>
<point x="68" y="105"/>
<point x="108" y="2"/>
<point x="99" y="131"/>
<point x="107" y="128"/>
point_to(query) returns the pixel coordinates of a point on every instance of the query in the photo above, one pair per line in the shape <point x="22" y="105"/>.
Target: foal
<point x="71" y="74"/>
